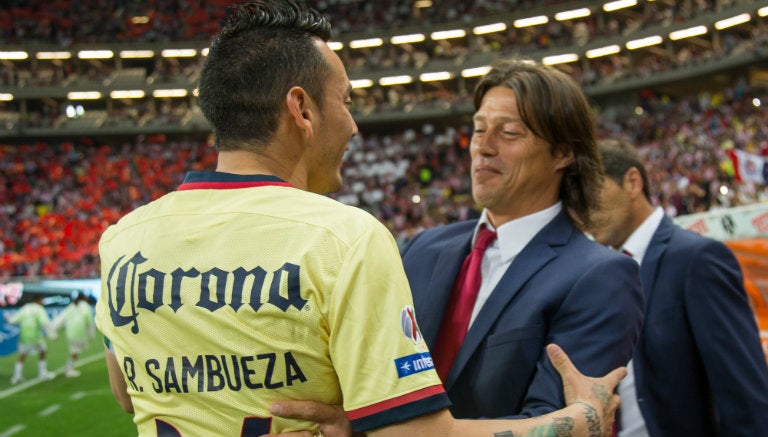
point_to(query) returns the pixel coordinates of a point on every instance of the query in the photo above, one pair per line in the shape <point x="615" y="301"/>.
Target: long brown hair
<point x="554" y="108"/>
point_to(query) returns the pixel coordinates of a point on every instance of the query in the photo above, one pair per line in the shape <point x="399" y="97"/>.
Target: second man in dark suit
<point x="698" y="369"/>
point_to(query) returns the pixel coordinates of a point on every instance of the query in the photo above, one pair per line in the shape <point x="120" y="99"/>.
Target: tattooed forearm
<point x="544" y="430"/>
<point x="563" y="426"/>
<point x="536" y="431"/>
<point x="593" y="420"/>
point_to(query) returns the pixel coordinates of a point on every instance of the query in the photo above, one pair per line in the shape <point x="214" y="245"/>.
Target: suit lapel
<point x="530" y="260"/>
<point x="432" y="301"/>
<point x="652" y="258"/>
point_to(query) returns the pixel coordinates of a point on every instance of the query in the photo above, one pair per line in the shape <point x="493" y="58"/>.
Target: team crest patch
<point x="412" y="364"/>
<point x="408" y="323"/>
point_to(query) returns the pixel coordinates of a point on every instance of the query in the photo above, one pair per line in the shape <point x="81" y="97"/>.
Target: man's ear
<point x="633" y="182"/>
<point x="563" y="156"/>
<point x="300" y="108"/>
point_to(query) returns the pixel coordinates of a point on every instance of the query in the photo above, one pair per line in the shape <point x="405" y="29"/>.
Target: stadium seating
<point x="67" y="174"/>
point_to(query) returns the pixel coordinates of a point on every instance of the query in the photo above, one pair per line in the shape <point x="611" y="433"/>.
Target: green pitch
<point x="62" y="407"/>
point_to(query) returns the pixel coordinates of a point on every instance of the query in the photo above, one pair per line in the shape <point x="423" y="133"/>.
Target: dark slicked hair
<point x="554" y="108"/>
<point x="264" y="49"/>
<point x="618" y="156"/>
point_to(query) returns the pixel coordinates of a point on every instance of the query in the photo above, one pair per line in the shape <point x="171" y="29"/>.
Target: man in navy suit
<point x="535" y="172"/>
<point x="698" y="369"/>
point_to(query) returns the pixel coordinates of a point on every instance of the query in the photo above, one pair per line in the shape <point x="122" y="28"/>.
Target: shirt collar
<point x="195" y="180"/>
<point x="637" y="243"/>
<point x="514" y="235"/>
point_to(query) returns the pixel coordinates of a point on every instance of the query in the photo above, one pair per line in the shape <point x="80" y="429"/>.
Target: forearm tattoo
<point x="561" y="426"/>
<point x="593" y="419"/>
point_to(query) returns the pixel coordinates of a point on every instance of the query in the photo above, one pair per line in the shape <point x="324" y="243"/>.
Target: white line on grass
<point x="15" y="429"/>
<point x="50" y="410"/>
<point x="81" y="394"/>
<point x="32" y="382"/>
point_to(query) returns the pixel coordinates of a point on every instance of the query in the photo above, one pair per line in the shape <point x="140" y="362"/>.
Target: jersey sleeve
<point x="383" y="364"/>
<point x="42" y="317"/>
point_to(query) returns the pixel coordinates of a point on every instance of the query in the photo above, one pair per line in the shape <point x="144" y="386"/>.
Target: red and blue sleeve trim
<point x="399" y="409"/>
<point x="215" y="180"/>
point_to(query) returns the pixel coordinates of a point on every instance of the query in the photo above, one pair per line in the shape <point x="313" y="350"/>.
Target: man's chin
<point x="482" y="196"/>
<point x="332" y="187"/>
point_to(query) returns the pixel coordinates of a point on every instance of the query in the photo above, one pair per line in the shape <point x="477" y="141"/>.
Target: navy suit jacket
<point x="562" y="288"/>
<point x="699" y="366"/>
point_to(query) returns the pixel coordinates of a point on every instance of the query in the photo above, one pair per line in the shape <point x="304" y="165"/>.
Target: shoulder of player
<point x="349" y="220"/>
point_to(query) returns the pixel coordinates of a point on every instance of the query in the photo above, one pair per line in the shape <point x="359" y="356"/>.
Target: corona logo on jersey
<point x="129" y="288"/>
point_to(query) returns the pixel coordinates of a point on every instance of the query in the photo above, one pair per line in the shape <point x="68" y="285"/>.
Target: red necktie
<point x="459" y="309"/>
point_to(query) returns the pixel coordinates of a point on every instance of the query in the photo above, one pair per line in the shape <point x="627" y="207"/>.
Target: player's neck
<point x="248" y="163"/>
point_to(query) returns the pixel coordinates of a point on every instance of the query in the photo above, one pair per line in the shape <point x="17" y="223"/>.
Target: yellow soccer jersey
<point x="279" y="293"/>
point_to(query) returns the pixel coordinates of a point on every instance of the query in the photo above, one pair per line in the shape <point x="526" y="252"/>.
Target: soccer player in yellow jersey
<point x="77" y="319"/>
<point x="247" y="285"/>
<point x="34" y="326"/>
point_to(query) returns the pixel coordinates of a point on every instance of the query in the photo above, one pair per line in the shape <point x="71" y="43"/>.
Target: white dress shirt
<point x="512" y="237"/>
<point x="632" y="422"/>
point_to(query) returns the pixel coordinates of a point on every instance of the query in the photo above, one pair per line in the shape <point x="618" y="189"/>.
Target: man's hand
<point x="331" y="418"/>
<point x="597" y="395"/>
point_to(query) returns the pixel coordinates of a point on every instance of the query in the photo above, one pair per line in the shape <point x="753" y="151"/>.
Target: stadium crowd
<point x="57" y="198"/>
<point x="195" y="21"/>
<point x="377" y="99"/>
<point x="66" y="22"/>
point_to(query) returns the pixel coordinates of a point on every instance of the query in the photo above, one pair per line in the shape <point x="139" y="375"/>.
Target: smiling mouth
<point x="485" y="170"/>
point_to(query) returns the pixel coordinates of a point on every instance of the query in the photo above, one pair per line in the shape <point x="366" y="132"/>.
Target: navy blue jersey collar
<point x="196" y="180"/>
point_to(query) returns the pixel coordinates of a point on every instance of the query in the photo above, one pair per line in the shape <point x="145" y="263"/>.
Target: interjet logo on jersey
<point x="130" y="288"/>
